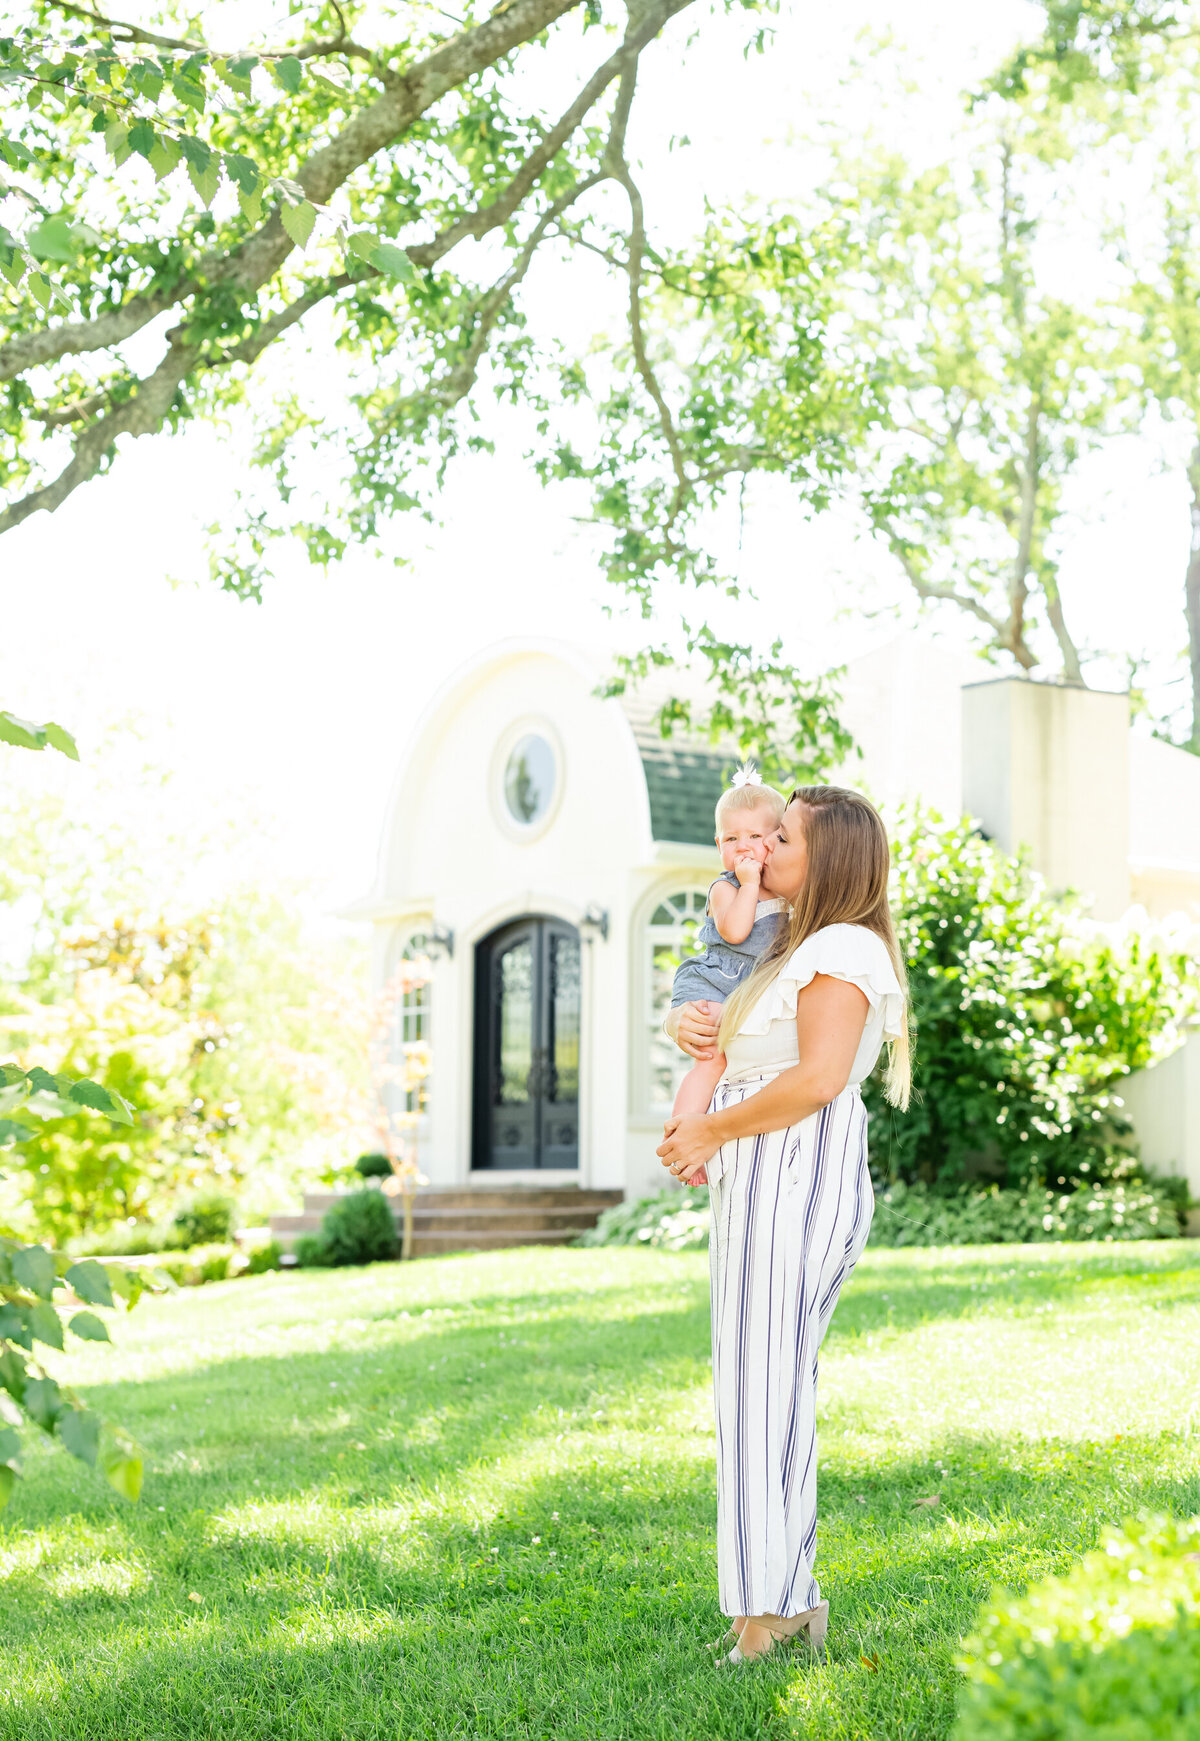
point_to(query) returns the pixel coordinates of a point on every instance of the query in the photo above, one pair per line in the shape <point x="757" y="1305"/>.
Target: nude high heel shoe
<point x="814" y="1622"/>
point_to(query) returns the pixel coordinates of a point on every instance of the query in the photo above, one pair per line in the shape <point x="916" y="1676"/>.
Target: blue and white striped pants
<point x="791" y="1214"/>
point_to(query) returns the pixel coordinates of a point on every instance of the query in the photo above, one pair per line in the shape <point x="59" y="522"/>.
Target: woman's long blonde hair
<point x="846" y="884"/>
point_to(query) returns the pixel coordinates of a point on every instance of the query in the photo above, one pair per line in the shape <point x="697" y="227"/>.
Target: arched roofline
<point x="466" y="678"/>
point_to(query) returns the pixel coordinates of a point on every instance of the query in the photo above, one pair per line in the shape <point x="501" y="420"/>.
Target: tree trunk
<point x="1191" y="605"/>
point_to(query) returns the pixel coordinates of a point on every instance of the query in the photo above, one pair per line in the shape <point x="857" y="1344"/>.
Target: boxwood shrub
<point x="1111" y="1652"/>
<point x="358" y="1228"/>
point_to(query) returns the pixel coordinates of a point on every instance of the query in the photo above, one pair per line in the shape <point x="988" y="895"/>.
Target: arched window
<point x="406" y="1069"/>
<point x="670" y="936"/>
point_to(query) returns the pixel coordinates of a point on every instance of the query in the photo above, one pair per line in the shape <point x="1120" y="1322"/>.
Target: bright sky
<point x="291" y="717"/>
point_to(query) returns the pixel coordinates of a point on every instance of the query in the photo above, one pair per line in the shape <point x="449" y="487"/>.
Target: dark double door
<point x="527" y="1047"/>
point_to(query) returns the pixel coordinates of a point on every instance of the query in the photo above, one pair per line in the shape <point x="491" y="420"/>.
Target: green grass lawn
<point x="474" y="1496"/>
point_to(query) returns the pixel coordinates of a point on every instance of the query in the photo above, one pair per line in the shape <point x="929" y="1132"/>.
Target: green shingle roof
<point x="684" y="776"/>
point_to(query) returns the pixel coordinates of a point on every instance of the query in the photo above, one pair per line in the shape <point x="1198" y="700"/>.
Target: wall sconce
<point x="439" y="941"/>
<point x="594" y="923"/>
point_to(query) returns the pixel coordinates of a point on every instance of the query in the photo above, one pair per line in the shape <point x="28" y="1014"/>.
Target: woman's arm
<point x="830" y="1017"/>
<point x="733" y="909"/>
<point x="693" y="1027"/>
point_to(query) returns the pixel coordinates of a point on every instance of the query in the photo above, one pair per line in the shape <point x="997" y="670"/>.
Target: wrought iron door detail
<point x="527" y="1018"/>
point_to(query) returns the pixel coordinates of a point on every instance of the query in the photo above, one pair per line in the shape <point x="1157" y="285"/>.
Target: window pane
<point x="668" y="1065"/>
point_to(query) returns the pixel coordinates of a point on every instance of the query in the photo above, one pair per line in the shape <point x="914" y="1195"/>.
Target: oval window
<point x="529" y="779"/>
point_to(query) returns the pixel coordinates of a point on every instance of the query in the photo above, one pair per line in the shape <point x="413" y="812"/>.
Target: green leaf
<point x="237" y="73"/>
<point x="142" y="138"/>
<point x="53" y="240"/>
<point x="39" y="289"/>
<point x="88" y="1093"/>
<point x="10" y="1449"/>
<point x="8" y="1481"/>
<point x="361" y="244"/>
<point x="43" y="1402"/>
<point x="46" y="1324"/>
<point x="33" y="1268"/>
<point x="251" y="204"/>
<point x="79" y="1430"/>
<point x="243" y="171"/>
<point x="59" y="738"/>
<point x="27" y="735"/>
<point x="14" y="1326"/>
<point x="393" y="261"/>
<point x="42" y="1082"/>
<point x="288" y="73"/>
<point x="122" y="1465"/>
<point x="13" y="1374"/>
<point x="90" y="1328"/>
<point x="164" y="158"/>
<point x="298" y="221"/>
<point x="89" y="1281"/>
<point x="205" y="181"/>
<point x="11" y="1132"/>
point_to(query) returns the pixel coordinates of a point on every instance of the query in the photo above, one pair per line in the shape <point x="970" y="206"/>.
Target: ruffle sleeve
<point x="848" y="952"/>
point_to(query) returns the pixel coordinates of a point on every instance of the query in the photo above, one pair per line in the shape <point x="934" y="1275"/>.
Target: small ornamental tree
<point x="30" y="1278"/>
<point x="1028" y="1016"/>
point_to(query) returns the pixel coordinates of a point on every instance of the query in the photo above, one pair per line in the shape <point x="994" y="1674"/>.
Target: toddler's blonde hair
<point x="748" y="793"/>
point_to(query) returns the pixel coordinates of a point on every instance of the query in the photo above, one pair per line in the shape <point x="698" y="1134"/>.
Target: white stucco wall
<point x="1164" y="827"/>
<point x="1164" y="1105"/>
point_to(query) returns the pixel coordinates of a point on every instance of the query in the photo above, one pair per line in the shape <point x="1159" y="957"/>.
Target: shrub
<point x="204" y="1263"/>
<point x="671" y="1220"/>
<point x="1110" y="1652"/>
<point x="311" y="1252"/>
<point x="261" y="1258"/>
<point x="1028" y="1017"/>
<point x="206" y="1220"/>
<point x="917" y="1215"/>
<point x="359" y="1228"/>
<point x="373" y="1167"/>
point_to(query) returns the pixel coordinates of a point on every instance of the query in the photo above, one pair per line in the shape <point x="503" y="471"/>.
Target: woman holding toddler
<point x="799" y="986"/>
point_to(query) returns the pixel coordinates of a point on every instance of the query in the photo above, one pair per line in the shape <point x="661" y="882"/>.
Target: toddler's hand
<point x="698" y="1178"/>
<point x="747" y="870"/>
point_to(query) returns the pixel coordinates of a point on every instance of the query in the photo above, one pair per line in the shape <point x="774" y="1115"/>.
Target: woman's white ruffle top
<point x="767" y="1041"/>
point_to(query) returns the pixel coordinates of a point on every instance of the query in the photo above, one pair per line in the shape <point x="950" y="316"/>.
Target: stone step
<point x="475" y="1239"/>
<point x="494" y="1219"/>
<point x="492" y="1197"/>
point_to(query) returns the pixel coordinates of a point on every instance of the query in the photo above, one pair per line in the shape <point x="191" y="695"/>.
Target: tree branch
<point x="340" y="44"/>
<point x="614" y="158"/>
<point x="140" y="415"/>
<point x="248" y="266"/>
<point x="490" y="217"/>
<point x="1018" y="586"/>
<point x="1072" y="670"/>
<point x="933" y="589"/>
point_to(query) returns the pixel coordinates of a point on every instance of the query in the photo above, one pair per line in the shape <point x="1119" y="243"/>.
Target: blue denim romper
<point x="720" y="966"/>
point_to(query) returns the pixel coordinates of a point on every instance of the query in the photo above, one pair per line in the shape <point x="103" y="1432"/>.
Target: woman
<point x="784" y="1143"/>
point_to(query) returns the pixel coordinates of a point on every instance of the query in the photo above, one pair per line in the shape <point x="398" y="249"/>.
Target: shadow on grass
<point x="522" y="1548"/>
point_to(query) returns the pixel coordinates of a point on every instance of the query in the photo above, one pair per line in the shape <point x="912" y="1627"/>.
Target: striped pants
<point x="791" y="1213"/>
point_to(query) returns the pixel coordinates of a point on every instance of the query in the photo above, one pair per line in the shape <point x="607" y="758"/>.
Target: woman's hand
<point x="693" y="1027"/>
<point x="687" y="1143"/>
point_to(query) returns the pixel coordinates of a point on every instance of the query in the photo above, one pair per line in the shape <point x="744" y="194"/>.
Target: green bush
<point x="1111" y="1652"/>
<point x="358" y="1228"/>
<point x="1027" y="1017"/>
<point x="261" y="1258"/>
<point x="204" y="1263"/>
<point x="670" y="1220"/>
<point x="373" y="1167"/>
<point x="206" y="1220"/>
<point x="917" y="1215"/>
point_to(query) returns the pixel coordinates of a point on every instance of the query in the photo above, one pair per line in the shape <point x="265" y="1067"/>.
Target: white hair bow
<point x="747" y="775"/>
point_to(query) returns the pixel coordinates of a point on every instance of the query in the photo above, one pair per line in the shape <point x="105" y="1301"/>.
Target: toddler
<point x="737" y="927"/>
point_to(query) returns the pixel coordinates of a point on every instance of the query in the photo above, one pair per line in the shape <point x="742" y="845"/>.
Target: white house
<point x="549" y="850"/>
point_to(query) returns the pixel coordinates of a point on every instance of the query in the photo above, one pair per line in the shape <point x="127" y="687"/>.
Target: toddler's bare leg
<point x="695" y="1095"/>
